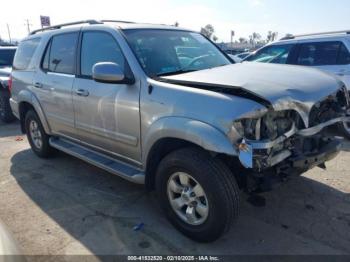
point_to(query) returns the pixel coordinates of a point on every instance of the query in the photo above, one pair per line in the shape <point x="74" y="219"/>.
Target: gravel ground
<point x="65" y="206"/>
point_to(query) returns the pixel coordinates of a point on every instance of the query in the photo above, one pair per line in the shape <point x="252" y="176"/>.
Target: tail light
<point x="10" y="83"/>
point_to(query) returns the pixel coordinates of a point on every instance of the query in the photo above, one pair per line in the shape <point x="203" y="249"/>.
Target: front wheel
<point x="198" y="193"/>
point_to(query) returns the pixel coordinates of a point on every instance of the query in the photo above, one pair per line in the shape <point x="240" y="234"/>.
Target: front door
<point x="107" y="115"/>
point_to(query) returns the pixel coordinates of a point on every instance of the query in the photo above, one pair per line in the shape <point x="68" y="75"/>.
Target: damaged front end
<point x="276" y="144"/>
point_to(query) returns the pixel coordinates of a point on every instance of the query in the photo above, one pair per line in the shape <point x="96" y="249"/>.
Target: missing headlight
<point x="270" y="126"/>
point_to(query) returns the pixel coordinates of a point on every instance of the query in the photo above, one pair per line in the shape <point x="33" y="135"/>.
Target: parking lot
<point x="66" y="206"/>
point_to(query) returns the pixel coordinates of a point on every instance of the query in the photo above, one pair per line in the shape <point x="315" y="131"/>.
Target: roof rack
<point x="117" y="21"/>
<point x="91" y="22"/>
<point x="315" y="34"/>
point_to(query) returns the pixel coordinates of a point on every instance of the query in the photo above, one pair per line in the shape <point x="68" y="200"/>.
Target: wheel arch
<point x="169" y="134"/>
<point x="28" y="101"/>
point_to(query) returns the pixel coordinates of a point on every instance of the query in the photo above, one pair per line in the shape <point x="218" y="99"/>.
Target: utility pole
<point x="28" y="25"/>
<point x="8" y="30"/>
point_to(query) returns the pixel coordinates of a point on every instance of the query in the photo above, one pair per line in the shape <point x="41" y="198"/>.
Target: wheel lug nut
<point x="192" y="194"/>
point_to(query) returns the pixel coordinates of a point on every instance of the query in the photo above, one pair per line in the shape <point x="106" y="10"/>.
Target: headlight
<point x="270" y="126"/>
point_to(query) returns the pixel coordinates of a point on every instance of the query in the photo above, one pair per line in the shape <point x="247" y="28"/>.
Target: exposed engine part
<point x="332" y="107"/>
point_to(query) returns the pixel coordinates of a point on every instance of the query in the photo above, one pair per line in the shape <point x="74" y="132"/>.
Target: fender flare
<point x="30" y="98"/>
<point x="191" y="130"/>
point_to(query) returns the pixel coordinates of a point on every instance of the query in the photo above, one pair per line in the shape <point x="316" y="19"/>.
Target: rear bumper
<point x="14" y="107"/>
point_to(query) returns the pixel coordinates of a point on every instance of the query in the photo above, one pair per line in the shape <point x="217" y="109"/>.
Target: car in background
<point x="7" y="54"/>
<point x="329" y="51"/>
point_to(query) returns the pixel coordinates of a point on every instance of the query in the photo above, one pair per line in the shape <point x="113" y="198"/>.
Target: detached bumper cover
<point x="252" y="152"/>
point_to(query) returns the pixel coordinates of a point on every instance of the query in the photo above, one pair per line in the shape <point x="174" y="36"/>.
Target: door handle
<point x="82" y="92"/>
<point x="38" y="85"/>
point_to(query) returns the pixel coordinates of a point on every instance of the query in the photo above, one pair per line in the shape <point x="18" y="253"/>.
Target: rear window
<point x="60" y="54"/>
<point x="25" y="53"/>
<point x="6" y="57"/>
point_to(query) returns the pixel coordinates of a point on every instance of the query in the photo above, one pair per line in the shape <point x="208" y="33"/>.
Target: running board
<point x="97" y="159"/>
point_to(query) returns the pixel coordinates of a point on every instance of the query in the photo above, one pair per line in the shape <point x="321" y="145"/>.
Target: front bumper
<point x="262" y="155"/>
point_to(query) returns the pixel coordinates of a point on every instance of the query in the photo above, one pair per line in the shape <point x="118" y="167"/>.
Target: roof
<point x="343" y="33"/>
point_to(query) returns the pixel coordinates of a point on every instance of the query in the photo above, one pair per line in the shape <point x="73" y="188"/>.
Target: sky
<point x="242" y="16"/>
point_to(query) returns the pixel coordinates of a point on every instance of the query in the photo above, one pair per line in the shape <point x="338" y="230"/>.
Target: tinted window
<point x="61" y="54"/>
<point x="162" y="52"/>
<point x="344" y="56"/>
<point x="99" y="47"/>
<point x="277" y="54"/>
<point x="6" y="57"/>
<point x="318" y="54"/>
<point x="25" y="53"/>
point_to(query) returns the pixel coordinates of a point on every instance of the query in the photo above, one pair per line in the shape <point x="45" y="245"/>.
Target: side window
<point x="25" y="53"/>
<point x="60" y="54"/>
<point x="277" y="54"/>
<point x="46" y="59"/>
<point x="344" y="56"/>
<point x="318" y="54"/>
<point x="99" y="47"/>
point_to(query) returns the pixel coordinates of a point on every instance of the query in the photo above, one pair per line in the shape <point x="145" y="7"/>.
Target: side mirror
<point x="107" y="72"/>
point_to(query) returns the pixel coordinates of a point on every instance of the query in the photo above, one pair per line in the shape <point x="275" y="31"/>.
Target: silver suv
<point x="164" y="106"/>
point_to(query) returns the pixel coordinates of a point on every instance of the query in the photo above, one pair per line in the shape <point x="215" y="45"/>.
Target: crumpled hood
<point x="284" y="86"/>
<point x="5" y="71"/>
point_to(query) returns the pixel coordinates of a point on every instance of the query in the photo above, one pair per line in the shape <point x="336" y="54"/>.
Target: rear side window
<point x="60" y="54"/>
<point x="277" y="54"/>
<point x="25" y="53"/>
<point x="99" y="47"/>
<point x="344" y="56"/>
<point x="319" y="54"/>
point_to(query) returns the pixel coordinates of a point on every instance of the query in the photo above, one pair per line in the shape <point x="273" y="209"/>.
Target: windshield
<point x="6" y="56"/>
<point x="166" y="52"/>
<point x="277" y="54"/>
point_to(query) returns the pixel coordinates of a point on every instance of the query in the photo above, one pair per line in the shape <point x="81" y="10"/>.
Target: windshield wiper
<point x="175" y="73"/>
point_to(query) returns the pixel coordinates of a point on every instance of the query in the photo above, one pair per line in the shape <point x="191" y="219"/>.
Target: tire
<point x="38" y="139"/>
<point x="345" y="129"/>
<point x="5" y="108"/>
<point x="221" y="193"/>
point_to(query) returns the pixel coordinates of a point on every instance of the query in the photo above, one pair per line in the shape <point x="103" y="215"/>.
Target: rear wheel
<point x="198" y="193"/>
<point x="5" y="108"/>
<point x="38" y="139"/>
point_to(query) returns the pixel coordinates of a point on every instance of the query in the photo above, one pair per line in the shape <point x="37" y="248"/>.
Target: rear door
<point x="330" y="56"/>
<point x="54" y="82"/>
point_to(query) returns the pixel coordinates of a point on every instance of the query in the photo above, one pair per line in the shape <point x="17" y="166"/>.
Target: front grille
<point x="331" y="107"/>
